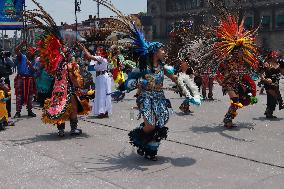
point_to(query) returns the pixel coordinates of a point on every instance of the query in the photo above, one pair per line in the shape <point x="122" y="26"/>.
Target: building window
<point x="182" y="5"/>
<point x="154" y="31"/>
<point x="280" y="20"/>
<point x="265" y="22"/>
<point x="248" y="23"/>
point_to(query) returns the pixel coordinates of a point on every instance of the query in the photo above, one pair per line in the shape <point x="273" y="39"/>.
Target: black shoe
<point x="61" y="133"/>
<point x="106" y="115"/>
<point x="76" y="132"/>
<point x="140" y="152"/>
<point x="101" y="116"/>
<point x="271" y="117"/>
<point x="17" y="115"/>
<point x="152" y="158"/>
<point x="2" y="127"/>
<point x="210" y="98"/>
<point x="31" y="114"/>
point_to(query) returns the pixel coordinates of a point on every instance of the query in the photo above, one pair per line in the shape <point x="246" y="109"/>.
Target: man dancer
<point x="24" y="81"/>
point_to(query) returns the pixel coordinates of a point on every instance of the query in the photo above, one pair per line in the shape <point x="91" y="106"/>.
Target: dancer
<point x="102" y="106"/>
<point x="24" y="81"/>
<point x="6" y="65"/>
<point x="65" y="103"/>
<point x="188" y="88"/>
<point x="237" y="55"/>
<point x="5" y="96"/>
<point x="270" y="77"/>
<point x="116" y="60"/>
<point x="151" y="101"/>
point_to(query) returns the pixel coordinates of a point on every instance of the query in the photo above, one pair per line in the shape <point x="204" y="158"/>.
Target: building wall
<point x="263" y="13"/>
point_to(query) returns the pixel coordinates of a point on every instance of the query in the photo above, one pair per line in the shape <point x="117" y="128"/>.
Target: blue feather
<point x="142" y="46"/>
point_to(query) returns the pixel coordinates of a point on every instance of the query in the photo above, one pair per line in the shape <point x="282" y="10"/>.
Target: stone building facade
<point x="268" y="14"/>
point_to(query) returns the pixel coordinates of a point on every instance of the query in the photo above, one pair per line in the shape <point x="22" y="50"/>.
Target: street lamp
<point x="98" y="8"/>
<point x="77" y="9"/>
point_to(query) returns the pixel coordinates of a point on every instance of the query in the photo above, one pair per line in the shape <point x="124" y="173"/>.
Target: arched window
<point x="280" y="20"/>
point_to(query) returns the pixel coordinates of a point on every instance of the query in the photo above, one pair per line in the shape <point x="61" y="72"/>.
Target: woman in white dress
<point x="102" y="104"/>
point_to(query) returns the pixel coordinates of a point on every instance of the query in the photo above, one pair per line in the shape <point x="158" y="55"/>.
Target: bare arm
<point x="87" y="53"/>
<point x="172" y="77"/>
<point x="18" y="48"/>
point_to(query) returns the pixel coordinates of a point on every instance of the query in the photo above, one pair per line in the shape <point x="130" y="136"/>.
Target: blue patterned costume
<point x="153" y="106"/>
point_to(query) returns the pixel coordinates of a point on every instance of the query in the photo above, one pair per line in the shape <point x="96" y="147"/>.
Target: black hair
<point x="146" y="60"/>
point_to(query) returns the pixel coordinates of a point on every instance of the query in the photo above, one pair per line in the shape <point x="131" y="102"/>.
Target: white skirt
<point x="102" y="101"/>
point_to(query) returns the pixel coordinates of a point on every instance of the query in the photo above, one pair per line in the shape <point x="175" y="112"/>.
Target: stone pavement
<point x="199" y="152"/>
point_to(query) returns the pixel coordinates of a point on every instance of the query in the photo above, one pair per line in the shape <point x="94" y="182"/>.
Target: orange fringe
<point x="66" y="115"/>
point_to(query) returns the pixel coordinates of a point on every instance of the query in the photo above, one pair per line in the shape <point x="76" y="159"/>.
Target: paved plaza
<point x="199" y="152"/>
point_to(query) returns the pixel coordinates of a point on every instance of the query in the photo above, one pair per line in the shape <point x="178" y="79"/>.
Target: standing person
<point x="6" y="65"/>
<point x="44" y="84"/>
<point x="102" y="106"/>
<point x="24" y="82"/>
<point x="271" y="78"/>
<point x="5" y="95"/>
<point x="116" y="60"/>
<point x="188" y="88"/>
<point x="207" y="82"/>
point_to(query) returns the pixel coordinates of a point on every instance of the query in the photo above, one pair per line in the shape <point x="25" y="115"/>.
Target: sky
<point x="63" y="10"/>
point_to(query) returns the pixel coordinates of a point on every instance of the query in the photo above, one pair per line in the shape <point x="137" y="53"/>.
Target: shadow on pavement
<point x="266" y="119"/>
<point x="128" y="162"/>
<point x="219" y="128"/>
<point x="46" y="137"/>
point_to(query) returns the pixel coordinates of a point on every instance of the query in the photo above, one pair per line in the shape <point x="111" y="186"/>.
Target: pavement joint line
<point x="65" y="164"/>
<point x="195" y="146"/>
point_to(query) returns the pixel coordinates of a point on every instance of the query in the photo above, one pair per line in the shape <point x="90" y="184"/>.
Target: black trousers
<point x="271" y="103"/>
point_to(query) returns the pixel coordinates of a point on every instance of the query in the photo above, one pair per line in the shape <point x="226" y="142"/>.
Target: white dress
<point x="102" y="101"/>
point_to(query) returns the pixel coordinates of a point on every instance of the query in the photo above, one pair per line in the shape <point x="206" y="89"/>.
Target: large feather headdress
<point x="234" y="38"/>
<point x="141" y="46"/>
<point x="49" y="46"/>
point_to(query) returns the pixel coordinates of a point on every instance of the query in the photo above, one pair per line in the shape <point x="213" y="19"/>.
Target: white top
<point x="101" y="64"/>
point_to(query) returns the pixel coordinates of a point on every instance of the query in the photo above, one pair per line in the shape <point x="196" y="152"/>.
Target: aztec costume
<point x="272" y="72"/>
<point x="44" y="83"/>
<point x="188" y="88"/>
<point x="237" y="56"/>
<point x="65" y="103"/>
<point x="24" y="83"/>
<point x="151" y="101"/>
<point x="6" y="65"/>
<point x="5" y="96"/>
<point x="116" y="61"/>
<point x="102" y="103"/>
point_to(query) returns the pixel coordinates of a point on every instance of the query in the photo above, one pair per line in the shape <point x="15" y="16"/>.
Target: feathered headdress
<point x="141" y="46"/>
<point x="233" y="37"/>
<point x="50" y="44"/>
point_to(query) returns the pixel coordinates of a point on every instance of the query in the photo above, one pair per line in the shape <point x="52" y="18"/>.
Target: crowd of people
<point x="56" y="75"/>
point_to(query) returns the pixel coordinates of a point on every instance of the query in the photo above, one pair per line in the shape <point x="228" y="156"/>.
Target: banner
<point x="10" y="14"/>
